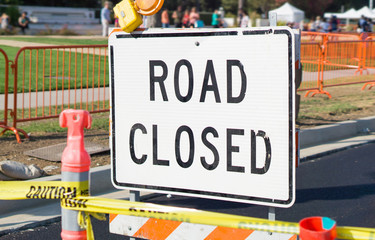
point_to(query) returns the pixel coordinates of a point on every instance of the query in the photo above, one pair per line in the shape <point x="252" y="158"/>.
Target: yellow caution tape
<point x="355" y="233"/>
<point x="15" y="190"/>
<point x="74" y="196"/>
<point x="149" y="210"/>
<point x="84" y="221"/>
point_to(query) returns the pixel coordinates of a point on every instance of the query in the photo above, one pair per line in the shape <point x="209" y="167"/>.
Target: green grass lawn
<point x="100" y="122"/>
<point x="51" y="69"/>
<point x="52" y="125"/>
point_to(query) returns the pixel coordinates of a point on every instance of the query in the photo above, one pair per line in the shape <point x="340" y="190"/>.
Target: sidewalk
<point x="315" y="142"/>
<point x="15" y="43"/>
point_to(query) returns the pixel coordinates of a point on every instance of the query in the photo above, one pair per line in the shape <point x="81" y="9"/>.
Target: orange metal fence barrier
<point x="4" y="88"/>
<point x="49" y="79"/>
<point x="321" y="36"/>
<point x="311" y="61"/>
<point x="328" y="63"/>
<point x="4" y="97"/>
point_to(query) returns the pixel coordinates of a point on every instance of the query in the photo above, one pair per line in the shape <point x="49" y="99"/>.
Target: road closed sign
<point x="205" y="113"/>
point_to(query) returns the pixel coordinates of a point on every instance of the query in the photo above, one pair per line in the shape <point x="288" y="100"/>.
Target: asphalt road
<point x="340" y="186"/>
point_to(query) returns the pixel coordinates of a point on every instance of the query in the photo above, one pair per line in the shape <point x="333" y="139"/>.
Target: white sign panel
<point x="207" y="113"/>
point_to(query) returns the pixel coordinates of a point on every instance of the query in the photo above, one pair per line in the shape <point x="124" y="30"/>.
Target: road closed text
<point x="186" y="153"/>
<point x="209" y="85"/>
<point x="210" y="162"/>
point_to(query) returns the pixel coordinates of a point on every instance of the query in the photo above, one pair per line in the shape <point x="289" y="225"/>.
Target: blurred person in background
<point x="325" y="26"/>
<point x="105" y="17"/>
<point x="334" y="24"/>
<point x="311" y="26"/>
<point x="318" y="24"/>
<point x="23" y="22"/>
<point x="362" y="24"/>
<point x="216" y="21"/>
<point x="177" y="17"/>
<point x="5" y="21"/>
<point x="185" y="19"/>
<point x="193" y="17"/>
<point x="245" y="19"/>
<point x="239" y="17"/>
<point x="165" y="19"/>
<point x="370" y="25"/>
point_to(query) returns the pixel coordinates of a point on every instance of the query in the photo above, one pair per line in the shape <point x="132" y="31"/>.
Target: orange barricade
<point x="4" y="98"/>
<point x="4" y="91"/>
<point x="336" y="59"/>
<point x="53" y="78"/>
<point x="346" y="61"/>
<point x="319" y="36"/>
<point x="310" y="59"/>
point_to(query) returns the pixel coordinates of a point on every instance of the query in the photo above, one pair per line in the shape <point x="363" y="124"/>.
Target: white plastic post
<point x="273" y="19"/>
<point x="75" y="167"/>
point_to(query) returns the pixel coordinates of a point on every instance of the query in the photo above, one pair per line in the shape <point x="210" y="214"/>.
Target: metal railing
<point x="331" y="63"/>
<point x="4" y="79"/>
<point x="49" y="79"/>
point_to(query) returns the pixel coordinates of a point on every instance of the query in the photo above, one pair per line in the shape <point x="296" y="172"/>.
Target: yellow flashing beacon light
<point x="129" y="12"/>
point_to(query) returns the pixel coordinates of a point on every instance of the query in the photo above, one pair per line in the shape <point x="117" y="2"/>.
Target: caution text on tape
<point x="15" y="190"/>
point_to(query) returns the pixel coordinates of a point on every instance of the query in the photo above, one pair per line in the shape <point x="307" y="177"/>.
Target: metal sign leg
<point x="271" y="215"/>
<point x="134" y="196"/>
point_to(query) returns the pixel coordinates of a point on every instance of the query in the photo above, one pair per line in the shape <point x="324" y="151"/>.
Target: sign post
<point x="205" y="112"/>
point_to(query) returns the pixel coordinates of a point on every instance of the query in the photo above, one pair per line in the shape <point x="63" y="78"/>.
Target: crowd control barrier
<point x="4" y="79"/>
<point x="319" y="37"/>
<point x="4" y="87"/>
<point x="336" y="60"/>
<point x="49" y="79"/>
<point x="78" y="206"/>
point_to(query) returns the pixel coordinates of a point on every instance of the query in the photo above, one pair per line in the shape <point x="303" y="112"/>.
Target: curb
<point x="334" y="132"/>
<point x="335" y="150"/>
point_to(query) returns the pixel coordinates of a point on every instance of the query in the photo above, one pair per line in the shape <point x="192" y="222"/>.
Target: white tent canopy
<point x="365" y="11"/>
<point x="288" y="13"/>
<point x="353" y="14"/>
<point x="350" y="14"/>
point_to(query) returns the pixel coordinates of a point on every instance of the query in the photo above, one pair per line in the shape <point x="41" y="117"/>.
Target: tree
<point x="230" y="6"/>
<point x="347" y="4"/>
<point x="313" y="8"/>
<point x="263" y="6"/>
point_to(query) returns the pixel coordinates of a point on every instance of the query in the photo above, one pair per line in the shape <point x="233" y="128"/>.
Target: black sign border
<point x="197" y="193"/>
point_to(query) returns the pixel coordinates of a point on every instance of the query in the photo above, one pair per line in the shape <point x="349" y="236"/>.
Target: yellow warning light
<point x="148" y="7"/>
<point x="129" y="12"/>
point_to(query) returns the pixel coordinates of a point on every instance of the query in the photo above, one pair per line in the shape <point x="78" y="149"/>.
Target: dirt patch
<point x="11" y="150"/>
<point x="347" y="103"/>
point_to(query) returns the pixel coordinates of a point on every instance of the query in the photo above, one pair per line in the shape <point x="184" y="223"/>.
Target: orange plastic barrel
<point x="317" y="228"/>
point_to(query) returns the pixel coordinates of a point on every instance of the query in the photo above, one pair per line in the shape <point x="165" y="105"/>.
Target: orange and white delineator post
<point x="161" y="229"/>
<point x="75" y="167"/>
